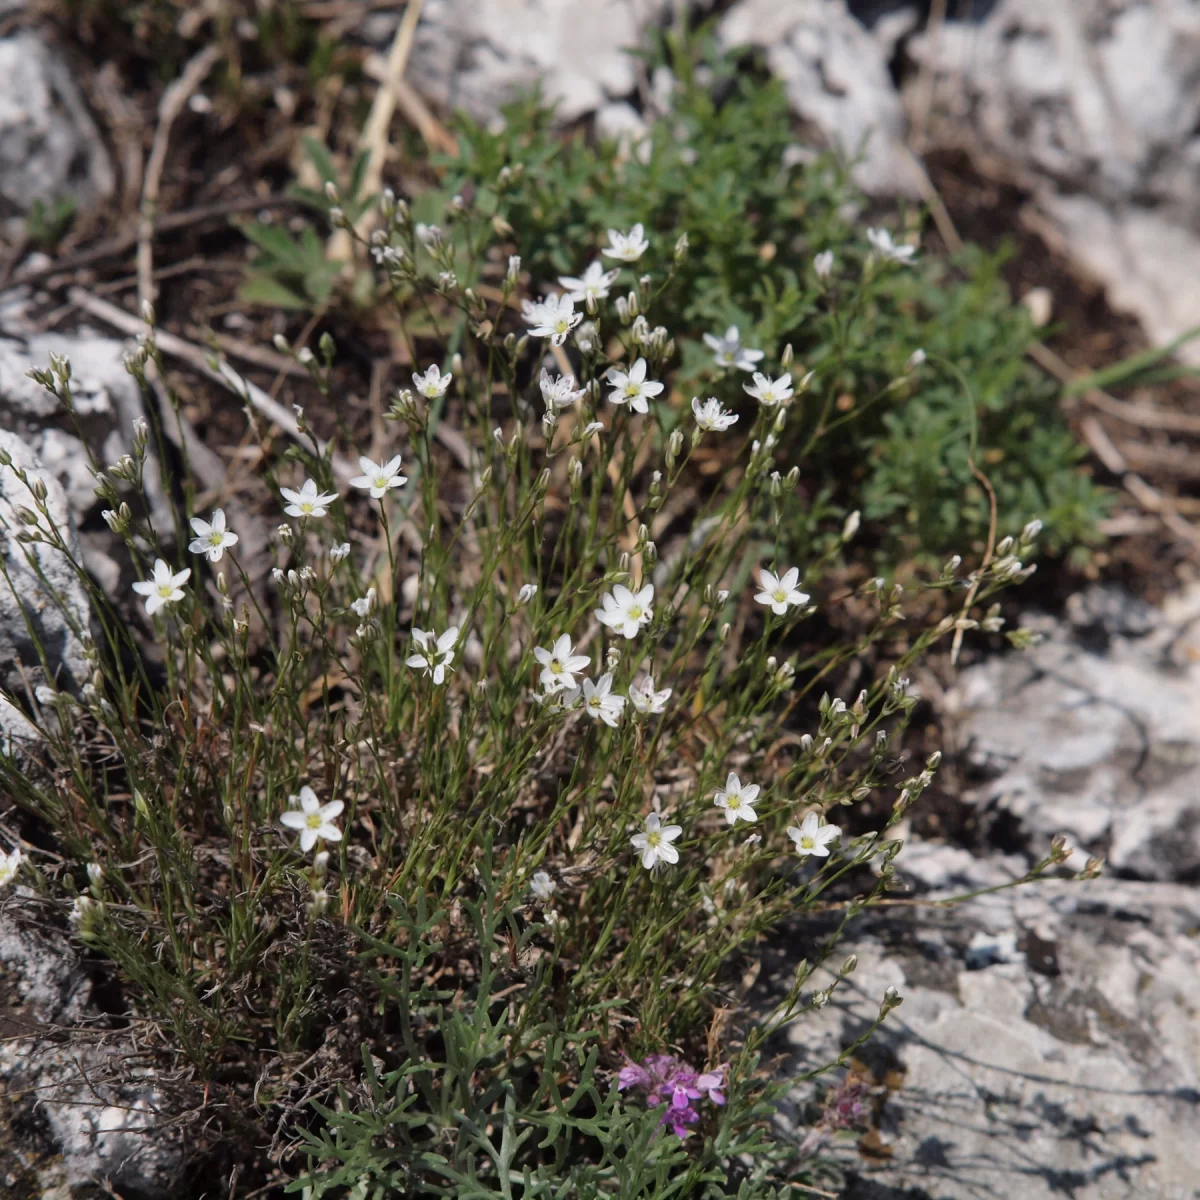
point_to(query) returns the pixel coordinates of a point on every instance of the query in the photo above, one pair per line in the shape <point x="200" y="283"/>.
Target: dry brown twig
<point x="374" y="135"/>
<point x="173" y="101"/>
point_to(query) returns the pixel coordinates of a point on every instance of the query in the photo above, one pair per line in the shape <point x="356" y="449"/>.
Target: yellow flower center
<point x="780" y="596"/>
<point x="556" y="667"/>
<point x="381" y="481"/>
<point x="635" y="612"/>
<point x="808" y="843"/>
<point x="313" y="820"/>
<point x="654" y="839"/>
<point x="215" y="538"/>
<point x="306" y="506"/>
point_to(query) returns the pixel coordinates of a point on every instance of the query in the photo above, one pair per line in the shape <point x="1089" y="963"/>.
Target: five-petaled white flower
<point x="364" y="605"/>
<point x="628" y="247"/>
<point x="770" y="392"/>
<point x="592" y="285"/>
<point x="559" y="664"/>
<point x="307" y="502"/>
<point x="213" y="538"/>
<point x="438" y="652"/>
<point x="625" y="611"/>
<point x="780" y="591"/>
<point x="599" y="701"/>
<point x="823" y="264"/>
<point x="645" y="699"/>
<point x="882" y="244"/>
<point x="738" y="799"/>
<point x="728" y="351"/>
<point x="314" y="819"/>
<point x="433" y="383"/>
<point x="632" y="387"/>
<point x="558" y="391"/>
<point x="655" y="843"/>
<point x="379" y="478"/>
<point x="164" y="588"/>
<point x="554" y="317"/>
<point x="10" y="864"/>
<point x="710" y="416"/>
<point x="812" y="837"/>
<point x="542" y="886"/>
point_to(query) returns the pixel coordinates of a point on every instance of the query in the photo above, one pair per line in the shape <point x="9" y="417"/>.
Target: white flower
<point x="95" y="872"/>
<point x="812" y="837"/>
<point x="769" y="392"/>
<point x="645" y="699"/>
<point x="737" y="799"/>
<point x="379" y="478"/>
<point x="593" y="427"/>
<point x="592" y="285"/>
<point x="599" y="701"/>
<point x="307" y="502"/>
<point x="710" y="416"/>
<point x="655" y="843"/>
<point x="212" y="539"/>
<point x="882" y="244"/>
<point x="164" y="588"/>
<point x="626" y="611"/>
<point x="314" y="820"/>
<point x="559" y="664"/>
<point x="554" y="318"/>
<point x="337" y="553"/>
<point x="433" y="383"/>
<point x="728" y="351"/>
<point x="542" y="886"/>
<point x="558" y="391"/>
<point x="780" y="591"/>
<point x="527" y="593"/>
<point x="916" y="359"/>
<point x="823" y="264"/>
<point x="632" y="388"/>
<point x="10" y="864"/>
<point x="628" y="247"/>
<point x="364" y="605"/>
<point x="438" y="652"/>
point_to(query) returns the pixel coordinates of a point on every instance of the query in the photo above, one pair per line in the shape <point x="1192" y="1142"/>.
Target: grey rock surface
<point x="44" y="606"/>
<point x="50" y="148"/>
<point x="836" y="75"/>
<point x="477" y="56"/>
<point x="1065" y="1064"/>
<point x="70" y="1115"/>
<point x="1096" y="104"/>
<point x="1094" y="733"/>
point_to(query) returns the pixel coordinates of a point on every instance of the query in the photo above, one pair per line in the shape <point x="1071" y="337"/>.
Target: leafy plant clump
<point x="435" y="859"/>
<point x="763" y="218"/>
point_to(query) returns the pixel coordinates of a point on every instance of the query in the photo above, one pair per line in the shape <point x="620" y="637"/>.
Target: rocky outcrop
<point x="1048" y="1043"/>
<point x="74" y="1111"/>
<point x="1095" y="734"/>
<point x="50" y="148"/>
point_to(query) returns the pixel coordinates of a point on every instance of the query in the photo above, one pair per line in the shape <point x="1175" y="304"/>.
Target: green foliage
<point x="720" y="172"/>
<point x="296" y="272"/>
<point x="48" y="224"/>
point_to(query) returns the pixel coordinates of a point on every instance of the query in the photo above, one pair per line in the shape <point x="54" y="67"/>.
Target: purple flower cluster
<point x="673" y="1083"/>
